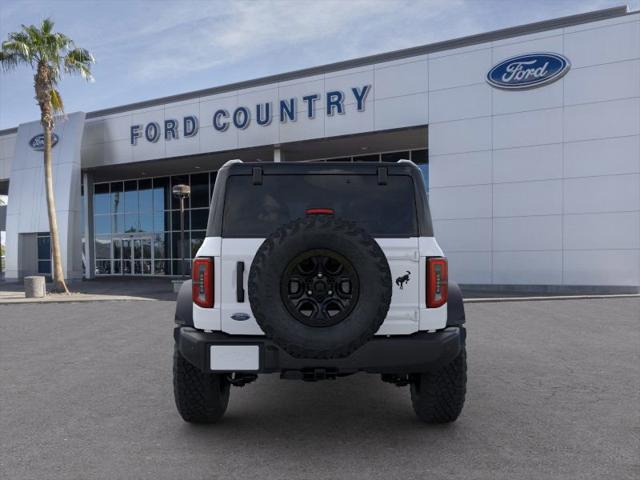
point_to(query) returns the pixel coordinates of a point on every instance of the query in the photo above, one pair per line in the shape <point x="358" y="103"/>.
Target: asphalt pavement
<point x="553" y="392"/>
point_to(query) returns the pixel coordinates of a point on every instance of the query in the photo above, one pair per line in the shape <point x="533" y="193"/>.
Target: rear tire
<point x="438" y="397"/>
<point x="200" y="397"/>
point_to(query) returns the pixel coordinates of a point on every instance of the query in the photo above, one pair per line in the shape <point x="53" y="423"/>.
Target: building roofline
<point x="494" y="35"/>
<point x="8" y="131"/>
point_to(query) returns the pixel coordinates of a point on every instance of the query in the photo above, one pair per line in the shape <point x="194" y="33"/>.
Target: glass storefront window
<point x="137" y="249"/>
<point x="44" y="253"/>
<point x="160" y="245"/>
<point x="161" y="194"/>
<point x="117" y="223"/>
<point x="44" y="247"/>
<point x="162" y="267"/>
<point x="44" y="266"/>
<point x="103" y="247"/>
<point x="146" y="248"/>
<point x="146" y="222"/>
<point x="175" y="244"/>
<point x="117" y="248"/>
<point x="103" y="267"/>
<point x="200" y="190"/>
<point x="175" y="220"/>
<point x="199" y="218"/>
<point x="101" y="199"/>
<point x="116" y="197"/>
<point x="176" y="267"/>
<point x="145" y="195"/>
<point x="419" y="156"/>
<point x="131" y="203"/>
<point x="131" y="223"/>
<point x="102" y="224"/>
<point x="161" y="222"/>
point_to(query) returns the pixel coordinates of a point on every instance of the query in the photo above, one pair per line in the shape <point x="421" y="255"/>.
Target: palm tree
<point x="50" y="55"/>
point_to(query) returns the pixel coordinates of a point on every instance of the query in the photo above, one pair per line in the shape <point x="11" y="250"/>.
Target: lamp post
<point x="182" y="192"/>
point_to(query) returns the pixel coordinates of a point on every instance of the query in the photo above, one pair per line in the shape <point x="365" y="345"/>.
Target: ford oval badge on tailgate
<point x="241" y="317"/>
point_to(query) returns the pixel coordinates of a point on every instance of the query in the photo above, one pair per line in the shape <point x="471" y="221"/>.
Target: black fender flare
<point x="455" y="306"/>
<point x="184" y="305"/>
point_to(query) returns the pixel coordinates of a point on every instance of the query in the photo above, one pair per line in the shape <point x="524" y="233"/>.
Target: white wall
<point x="27" y="206"/>
<point x="540" y="186"/>
<point x="7" y="151"/>
<point x="398" y="98"/>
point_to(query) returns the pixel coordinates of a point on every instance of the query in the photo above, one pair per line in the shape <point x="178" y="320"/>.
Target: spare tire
<point x="320" y="287"/>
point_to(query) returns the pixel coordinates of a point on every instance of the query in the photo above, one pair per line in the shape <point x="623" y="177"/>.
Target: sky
<point x="150" y="49"/>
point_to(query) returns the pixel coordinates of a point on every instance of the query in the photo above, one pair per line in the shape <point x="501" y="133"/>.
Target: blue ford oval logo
<point x="240" y="317"/>
<point x="37" y="142"/>
<point x="528" y="71"/>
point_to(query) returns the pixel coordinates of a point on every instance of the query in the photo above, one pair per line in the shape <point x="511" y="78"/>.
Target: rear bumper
<point x="420" y="352"/>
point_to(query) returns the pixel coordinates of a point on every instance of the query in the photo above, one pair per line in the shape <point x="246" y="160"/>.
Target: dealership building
<point x="528" y="138"/>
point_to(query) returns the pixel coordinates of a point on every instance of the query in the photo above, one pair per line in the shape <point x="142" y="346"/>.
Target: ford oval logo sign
<point x="528" y="71"/>
<point x="37" y="142"/>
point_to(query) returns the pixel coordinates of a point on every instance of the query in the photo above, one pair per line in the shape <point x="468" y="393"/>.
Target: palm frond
<point x="79" y="61"/>
<point x="9" y="61"/>
<point x="63" y="42"/>
<point x="20" y="37"/>
<point x="19" y="47"/>
<point x="56" y="101"/>
<point x="47" y="26"/>
<point x="34" y="34"/>
<point x="80" y="55"/>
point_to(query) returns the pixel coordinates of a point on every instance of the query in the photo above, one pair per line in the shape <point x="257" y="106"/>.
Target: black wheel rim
<point x="320" y="288"/>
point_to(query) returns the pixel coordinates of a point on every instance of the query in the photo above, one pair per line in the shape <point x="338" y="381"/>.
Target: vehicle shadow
<point x="355" y="410"/>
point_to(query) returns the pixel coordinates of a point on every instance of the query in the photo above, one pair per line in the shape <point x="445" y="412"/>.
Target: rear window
<point x="257" y="210"/>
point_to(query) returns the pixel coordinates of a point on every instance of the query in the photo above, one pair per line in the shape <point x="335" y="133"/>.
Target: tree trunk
<point x="43" y="85"/>
<point x="59" y="284"/>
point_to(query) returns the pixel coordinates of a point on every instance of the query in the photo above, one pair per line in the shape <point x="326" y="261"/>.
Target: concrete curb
<point x="547" y="298"/>
<point x="75" y="299"/>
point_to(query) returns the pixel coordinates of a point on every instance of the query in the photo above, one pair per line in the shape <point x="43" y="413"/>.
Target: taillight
<point x="319" y="211"/>
<point x="437" y="282"/>
<point x="202" y="282"/>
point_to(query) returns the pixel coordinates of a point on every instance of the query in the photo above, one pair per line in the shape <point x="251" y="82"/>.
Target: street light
<point x="182" y="192"/>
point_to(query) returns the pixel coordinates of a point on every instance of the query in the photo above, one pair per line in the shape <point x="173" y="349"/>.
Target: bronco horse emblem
<point x="400" y="281"/>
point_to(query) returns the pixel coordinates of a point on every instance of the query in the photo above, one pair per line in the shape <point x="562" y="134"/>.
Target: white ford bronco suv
<point x="317" y="271"/>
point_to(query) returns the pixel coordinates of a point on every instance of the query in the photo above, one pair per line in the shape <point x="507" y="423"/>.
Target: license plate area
<point x="234" y="358"/>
